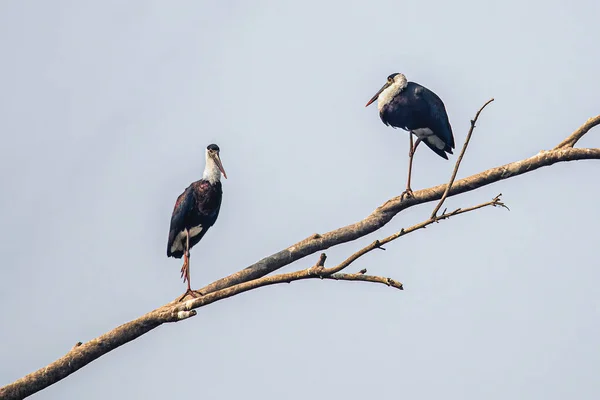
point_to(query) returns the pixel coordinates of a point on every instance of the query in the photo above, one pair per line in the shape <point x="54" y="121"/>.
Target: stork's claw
<point x="185" y="269"/>
<point x="191" y="293"/>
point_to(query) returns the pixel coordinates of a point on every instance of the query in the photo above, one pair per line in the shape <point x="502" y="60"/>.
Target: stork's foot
<point x="408" y="193"/>
<point x="191" y="293"/>
<point x="185" y="269"/>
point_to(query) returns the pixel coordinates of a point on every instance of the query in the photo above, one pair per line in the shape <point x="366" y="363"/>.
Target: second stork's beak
<point x="377" y="94"/>
<point x="217" y="159"/>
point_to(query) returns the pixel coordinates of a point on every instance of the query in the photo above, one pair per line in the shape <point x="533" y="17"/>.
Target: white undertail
<point x="391" y="91"/>
<point x="427" y="134"/>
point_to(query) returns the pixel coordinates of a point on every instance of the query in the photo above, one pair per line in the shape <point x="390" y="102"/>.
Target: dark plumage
<point x="196" y="208"/>
<point x="417" y="107"/>
<point x="414" y="108"/>
<point x="195" y="211"/>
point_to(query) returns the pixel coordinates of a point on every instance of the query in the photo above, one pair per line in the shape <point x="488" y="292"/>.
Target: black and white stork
<point x="195" y="211"/>
<point x="416" y="109"/>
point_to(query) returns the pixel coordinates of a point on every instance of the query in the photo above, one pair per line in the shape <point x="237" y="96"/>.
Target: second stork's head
<point x="214" y="167"/>
<point x="395" y="84"/>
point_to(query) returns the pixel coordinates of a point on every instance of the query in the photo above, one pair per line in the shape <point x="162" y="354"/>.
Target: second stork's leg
<point x="411" y="153"/>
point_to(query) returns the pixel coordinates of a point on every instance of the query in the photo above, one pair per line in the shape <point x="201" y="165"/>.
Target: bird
<point x="195" y="211"/>
<point x="418" y="110"/>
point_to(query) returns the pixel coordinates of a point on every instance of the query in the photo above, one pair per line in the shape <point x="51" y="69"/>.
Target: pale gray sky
<point x="107" y="108"/>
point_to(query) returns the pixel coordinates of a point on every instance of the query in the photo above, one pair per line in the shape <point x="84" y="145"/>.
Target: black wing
<point x="206" y="210"/>
<point x="435" y="114"/>
<point x="183" y="207"/>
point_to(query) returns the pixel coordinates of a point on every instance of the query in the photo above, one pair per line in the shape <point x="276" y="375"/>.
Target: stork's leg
<point x="410" y="162"/>
<point x="411" y="153"/>
<point x="185" y="269"/>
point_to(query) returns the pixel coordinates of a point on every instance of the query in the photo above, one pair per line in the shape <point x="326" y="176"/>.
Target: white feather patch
<point x="427" y="134"/>
<point x="422" y="133"/>
<point x="436" y="141"/>
<point x="196" y="230"/>
<point x="179" y="242"/>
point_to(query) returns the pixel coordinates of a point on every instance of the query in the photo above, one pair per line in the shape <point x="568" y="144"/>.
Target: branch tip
<point x="458" y="160"/>
<point x="496" y="202"/>
<point x="395" y="284"/>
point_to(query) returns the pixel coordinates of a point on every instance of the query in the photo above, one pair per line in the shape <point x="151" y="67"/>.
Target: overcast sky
<point x="107" y="108"/>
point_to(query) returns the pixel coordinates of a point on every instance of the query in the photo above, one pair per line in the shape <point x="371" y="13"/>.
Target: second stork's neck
<point x="390" y="92"/>
<point x="211" y="172"/>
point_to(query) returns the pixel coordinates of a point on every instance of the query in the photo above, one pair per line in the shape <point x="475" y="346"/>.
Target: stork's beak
<point x="378" y="93"/>
<point x="219" y="164"/>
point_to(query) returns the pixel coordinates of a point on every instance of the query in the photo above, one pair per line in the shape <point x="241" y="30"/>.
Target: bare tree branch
<point x="384" y="214"/>
<point x="254" y="276"/>
<point x="366" y="278"/>
<point x="495" y="202"/>
<point x="84" y="353"/>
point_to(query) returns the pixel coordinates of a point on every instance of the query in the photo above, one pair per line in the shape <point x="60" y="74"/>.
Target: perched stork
<point x="419" y="111"/>
<point x="196" y="210"/>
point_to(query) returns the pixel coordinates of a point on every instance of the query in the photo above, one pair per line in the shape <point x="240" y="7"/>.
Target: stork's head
<point x="214" y="167"/>
<point x="395" y="84"/>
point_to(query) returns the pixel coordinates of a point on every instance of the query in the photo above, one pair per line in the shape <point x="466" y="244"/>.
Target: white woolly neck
<point x="211" y="172"/>
<point x="391" y="91"/>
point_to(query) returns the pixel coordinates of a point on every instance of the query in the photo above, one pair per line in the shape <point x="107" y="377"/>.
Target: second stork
<point x="416" y="109"/>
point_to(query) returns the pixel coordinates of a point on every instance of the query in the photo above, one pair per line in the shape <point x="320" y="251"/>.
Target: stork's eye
<point x="390" y="79"/>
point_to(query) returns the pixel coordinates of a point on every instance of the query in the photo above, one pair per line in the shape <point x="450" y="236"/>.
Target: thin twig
<point x="458" y="161"/>
<point x="316" y="271"/>
<point x="495" y="202"/>
<point x="365" y="278"/>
